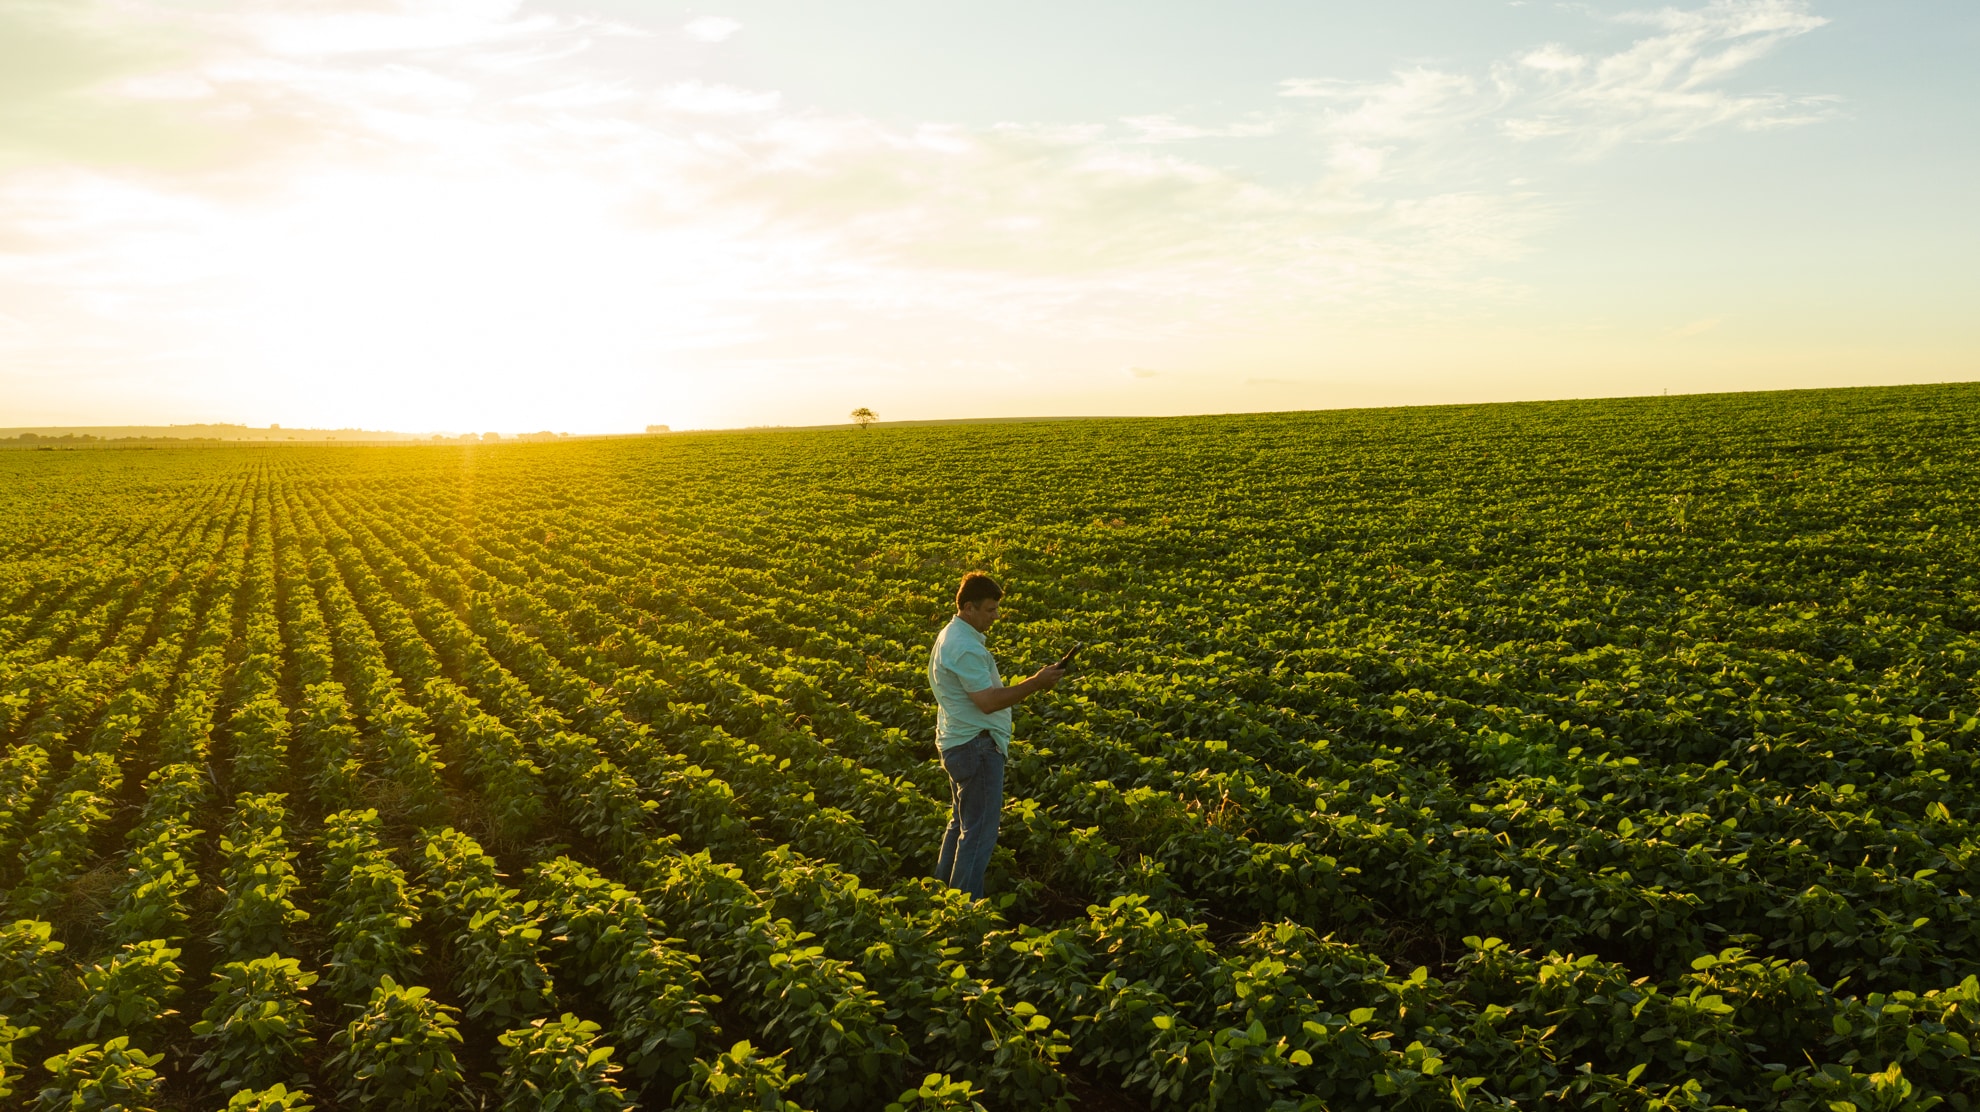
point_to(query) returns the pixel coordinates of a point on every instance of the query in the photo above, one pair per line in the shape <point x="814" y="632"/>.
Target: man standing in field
<point x="973" y="727"/>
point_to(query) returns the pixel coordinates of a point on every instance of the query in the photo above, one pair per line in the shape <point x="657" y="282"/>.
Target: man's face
<point x="981" y="614"/>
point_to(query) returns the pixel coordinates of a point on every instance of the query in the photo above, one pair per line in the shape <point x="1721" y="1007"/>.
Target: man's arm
<point x="993" y="699"/>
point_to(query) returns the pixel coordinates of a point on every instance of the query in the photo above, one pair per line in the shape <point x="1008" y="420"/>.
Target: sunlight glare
<point x="449" y="305"/>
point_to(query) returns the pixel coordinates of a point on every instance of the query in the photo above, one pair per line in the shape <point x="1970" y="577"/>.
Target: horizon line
<point x="132" y="431"/>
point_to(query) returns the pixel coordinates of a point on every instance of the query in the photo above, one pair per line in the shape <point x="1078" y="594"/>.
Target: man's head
<point x="977" y="599"/>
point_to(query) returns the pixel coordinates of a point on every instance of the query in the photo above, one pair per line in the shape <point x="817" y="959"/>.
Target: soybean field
<point x="1587" y="755"/>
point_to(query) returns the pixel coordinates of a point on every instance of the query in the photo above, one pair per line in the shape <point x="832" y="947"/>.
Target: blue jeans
<point x="976" y="788"/>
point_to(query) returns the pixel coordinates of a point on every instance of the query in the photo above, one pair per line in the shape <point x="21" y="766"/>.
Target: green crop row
<point x="1610" y="755"/>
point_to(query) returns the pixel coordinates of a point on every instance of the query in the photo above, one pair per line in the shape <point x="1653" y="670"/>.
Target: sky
<point x="595" y="215"/>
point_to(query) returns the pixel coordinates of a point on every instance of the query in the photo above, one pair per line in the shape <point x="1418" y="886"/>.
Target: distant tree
<point x="658" y="428"/>
<point x="491" y="436"/>
<point x="863" y="417"/>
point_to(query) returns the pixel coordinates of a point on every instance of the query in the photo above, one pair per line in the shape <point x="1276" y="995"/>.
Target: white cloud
<point x="1412" y="103"/>
<point x="1168" y="129"/>
<point x="703" y="99"/>
<point x="1554" y="58"/>
<point x="388" y="25"/>
<point x="1667" y="86"/>
<point x="1727" y="18"/>
<point x="578" y="95"/>
<point x="711" y="28"/>
<point x="163" y="86"/>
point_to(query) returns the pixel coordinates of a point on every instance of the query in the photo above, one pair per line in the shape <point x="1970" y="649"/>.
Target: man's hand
<point x="994" y="699"/>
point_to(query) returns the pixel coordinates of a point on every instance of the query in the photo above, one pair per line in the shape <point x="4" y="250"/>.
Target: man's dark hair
<point x="977" y="587"/>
